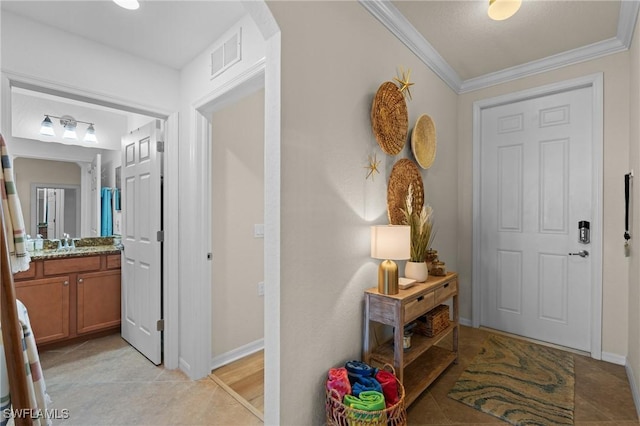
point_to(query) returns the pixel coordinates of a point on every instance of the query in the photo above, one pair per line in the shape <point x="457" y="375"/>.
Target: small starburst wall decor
<point x="405" y="84"/>
<point x="372" y="167"/>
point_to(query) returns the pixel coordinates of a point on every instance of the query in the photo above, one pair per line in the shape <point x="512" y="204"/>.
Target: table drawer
<point x="418" y="306"/>
<point x="446" y="291"/>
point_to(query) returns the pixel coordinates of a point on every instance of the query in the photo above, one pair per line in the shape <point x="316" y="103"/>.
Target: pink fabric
<point x="389" y="387"/>
<point x="339" y="381"/>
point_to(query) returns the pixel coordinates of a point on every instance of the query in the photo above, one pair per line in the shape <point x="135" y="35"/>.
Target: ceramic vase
<point x="416" y="271"/>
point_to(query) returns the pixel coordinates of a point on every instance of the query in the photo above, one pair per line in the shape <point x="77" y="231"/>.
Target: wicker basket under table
<point x="339" y="414"/>
<point x="434" y="321"/>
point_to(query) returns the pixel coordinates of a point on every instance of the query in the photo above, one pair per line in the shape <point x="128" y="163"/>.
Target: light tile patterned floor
<point x="602" y="393"/>
<point x="107" y="382"/>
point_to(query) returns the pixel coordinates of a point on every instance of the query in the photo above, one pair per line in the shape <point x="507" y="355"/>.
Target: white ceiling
<point x="170" y="33"/>
<point x="474" y="45"/>
<point x="454" y="37"/>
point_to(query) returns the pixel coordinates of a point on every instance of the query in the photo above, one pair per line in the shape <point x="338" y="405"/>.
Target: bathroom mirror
<point x="57" y="211"/>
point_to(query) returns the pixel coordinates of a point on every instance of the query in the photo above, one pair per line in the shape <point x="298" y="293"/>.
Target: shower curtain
<point x="107" y="219"/>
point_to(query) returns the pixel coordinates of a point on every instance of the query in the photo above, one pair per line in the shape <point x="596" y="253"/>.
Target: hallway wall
<point x="237" y="183"/>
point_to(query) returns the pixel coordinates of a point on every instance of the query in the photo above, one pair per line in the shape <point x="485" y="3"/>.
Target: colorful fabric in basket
<point x="367" y="401"/>
<point x="365" y="384"/>
<point x="389" y="387"/>
<point x="360" y="369"/>
<point x="362" y="377"/>
<point x="339" y="381"/>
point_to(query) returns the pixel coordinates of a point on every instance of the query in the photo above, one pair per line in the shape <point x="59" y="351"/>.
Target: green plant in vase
<point x="421" y="229"/>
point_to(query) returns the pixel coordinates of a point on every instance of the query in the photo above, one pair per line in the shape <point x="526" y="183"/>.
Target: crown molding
<point x="385" y="12"/>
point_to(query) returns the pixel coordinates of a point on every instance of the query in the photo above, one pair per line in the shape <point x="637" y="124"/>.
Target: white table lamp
<point x="389" y="243"/>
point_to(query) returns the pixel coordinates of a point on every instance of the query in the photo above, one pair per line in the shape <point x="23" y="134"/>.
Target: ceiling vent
<point x="227" y="54"/>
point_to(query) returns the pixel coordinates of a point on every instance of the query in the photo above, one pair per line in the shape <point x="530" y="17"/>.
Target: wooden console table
<point x="420" y="365"/>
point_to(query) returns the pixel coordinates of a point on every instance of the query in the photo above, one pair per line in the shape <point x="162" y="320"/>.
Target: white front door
<point x="535" y="187"/>
<point x="141" y="257"/>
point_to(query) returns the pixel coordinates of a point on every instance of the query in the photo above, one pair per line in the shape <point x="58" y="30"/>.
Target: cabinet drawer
<point x="446" y="291"/>
<point x="29" y="273"/>
<point x="113" y="261"/>
<point x="71" y="265"/>
<point x="418" y="306"/>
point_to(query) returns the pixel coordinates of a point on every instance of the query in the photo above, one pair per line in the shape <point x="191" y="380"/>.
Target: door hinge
<point x="209" y="256"/>
<point x="160" y="236"/>
<point x="160" y="325"/>
<point x="160" y="146"/>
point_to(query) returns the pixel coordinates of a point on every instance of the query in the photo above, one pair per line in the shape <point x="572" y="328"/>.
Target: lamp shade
<point x="46" y="127"/>
<point x="390" y="242"/>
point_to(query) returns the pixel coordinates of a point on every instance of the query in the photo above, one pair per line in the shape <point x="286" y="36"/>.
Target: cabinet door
<point x="47" y="303"/>
<point x="98" y="304"/>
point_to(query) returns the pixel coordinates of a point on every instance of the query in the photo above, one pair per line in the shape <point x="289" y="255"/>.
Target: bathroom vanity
<point x="71" y="294"/>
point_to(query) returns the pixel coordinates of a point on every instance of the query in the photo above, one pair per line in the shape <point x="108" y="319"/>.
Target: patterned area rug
<point x="519" y="382"/>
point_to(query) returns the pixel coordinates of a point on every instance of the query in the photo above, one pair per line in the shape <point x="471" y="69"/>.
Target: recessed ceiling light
<point x="128" y="4"/>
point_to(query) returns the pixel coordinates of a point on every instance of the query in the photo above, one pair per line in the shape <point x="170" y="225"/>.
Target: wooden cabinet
<point x="47" y="301"/>
<point x="420" y="365"/>
<point x="71" y="298"/>
<point x="98" y="305"/>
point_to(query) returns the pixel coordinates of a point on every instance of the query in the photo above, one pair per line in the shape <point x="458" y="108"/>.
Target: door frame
<point x="170" y="272"/>
<point x="596" y="83"/>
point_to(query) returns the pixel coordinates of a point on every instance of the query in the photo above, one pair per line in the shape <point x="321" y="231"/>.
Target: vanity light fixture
<point x="499" y="10"/>
<point x="69" y="124"/>
<point x="128" y="4"/>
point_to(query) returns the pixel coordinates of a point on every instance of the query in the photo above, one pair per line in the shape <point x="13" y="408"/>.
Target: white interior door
<point x="535" y="186"/>
<point x="96" y="196"/>
<point x="141" y="258"/>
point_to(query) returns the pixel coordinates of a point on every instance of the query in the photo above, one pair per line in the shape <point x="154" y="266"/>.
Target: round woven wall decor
<point x="423" y="141"/>
<point x="404" y="172"/>
<point x="389" y="118"/>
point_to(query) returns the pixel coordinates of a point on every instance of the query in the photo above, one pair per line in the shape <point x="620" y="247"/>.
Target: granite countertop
<point x="75" y="252"/>
<point x="92" y="246"/>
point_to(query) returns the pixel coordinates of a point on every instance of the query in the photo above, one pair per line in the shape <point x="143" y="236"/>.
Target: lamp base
<point x="388" y="277"/>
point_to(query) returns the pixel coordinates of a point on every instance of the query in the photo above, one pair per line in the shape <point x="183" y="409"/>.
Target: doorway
<point x="235" y="146"/>
<point x="537" y="174"/>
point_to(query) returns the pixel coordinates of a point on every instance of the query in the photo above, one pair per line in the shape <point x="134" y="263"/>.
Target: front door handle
<point x="582" y="253"/>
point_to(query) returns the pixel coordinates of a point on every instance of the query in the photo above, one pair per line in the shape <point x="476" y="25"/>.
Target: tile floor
<point x="107" y="382"/>
<point x="602" y="393"/>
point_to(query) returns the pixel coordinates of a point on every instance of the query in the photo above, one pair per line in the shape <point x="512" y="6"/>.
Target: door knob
<point x="582" y="253"/>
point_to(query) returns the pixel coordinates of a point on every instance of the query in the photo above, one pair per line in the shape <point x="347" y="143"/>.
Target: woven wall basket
<point x="389" y="118"/>
<point x="404" y="172"/>
<point x="423" y="141"/>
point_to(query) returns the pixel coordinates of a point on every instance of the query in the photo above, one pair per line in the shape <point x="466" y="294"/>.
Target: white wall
<point x="197" y="89"/>
<point x="91" y="68"/>
<point x="633" y="353"/>
<point x="237" y="160"/>
<point x="616" y="162"/>
<point x="335" y="55"/>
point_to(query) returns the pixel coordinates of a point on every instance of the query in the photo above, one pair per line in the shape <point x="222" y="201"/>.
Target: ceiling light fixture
<point x="499" y="10"/>
<point x="128" y="4"/>
<point x="69" y="124"/>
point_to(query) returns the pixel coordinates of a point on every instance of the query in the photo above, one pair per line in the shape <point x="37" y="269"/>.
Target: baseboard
<point x="465" y="321"/>
<point x="614" y="358"/>
<point x="634" y="387"/>
<point x="235" y="354"/>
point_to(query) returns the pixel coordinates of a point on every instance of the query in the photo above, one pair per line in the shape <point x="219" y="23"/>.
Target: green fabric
<point x="368" y="401"/>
